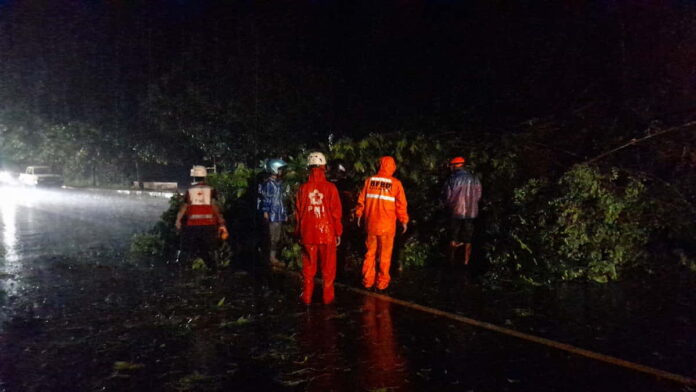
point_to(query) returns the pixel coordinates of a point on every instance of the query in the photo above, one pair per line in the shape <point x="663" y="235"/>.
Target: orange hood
<point x="387" y="166"/>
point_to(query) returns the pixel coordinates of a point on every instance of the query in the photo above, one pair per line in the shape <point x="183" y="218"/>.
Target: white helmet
<point x="198" y="171"/>
<point x="316" y="158"/>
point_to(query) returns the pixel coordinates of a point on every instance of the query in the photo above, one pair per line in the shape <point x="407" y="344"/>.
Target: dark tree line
<point x="131" y="84"/>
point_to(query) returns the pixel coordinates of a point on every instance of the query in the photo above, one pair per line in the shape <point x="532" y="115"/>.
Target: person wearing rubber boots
<point x="271" y="204"/>
<point x="461" y="194"/>
<point x="318" y="217"/>
<point x="381" y="203"/>
<point x="200" y="220"/>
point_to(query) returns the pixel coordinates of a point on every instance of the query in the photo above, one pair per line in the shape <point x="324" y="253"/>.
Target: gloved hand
<point x="223" y="233"/>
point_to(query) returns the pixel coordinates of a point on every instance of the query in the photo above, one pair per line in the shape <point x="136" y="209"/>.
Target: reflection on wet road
<point x="383" y="365"/>
<point x="66" y="222"/>
<point x="8" y="208"/>
<point x="372" y="360"/>
<point x="365" y="343"/>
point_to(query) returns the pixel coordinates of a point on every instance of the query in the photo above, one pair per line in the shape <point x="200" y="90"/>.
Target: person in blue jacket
<point x="271" y="205"/>
<point x="461" y="194"/>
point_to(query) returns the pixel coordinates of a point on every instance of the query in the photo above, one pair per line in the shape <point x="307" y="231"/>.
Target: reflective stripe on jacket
<point x="200" y="206"/>
<point x="461" y="194"/>
<point x="318" y="210"/>
<point x="382" y="200"/>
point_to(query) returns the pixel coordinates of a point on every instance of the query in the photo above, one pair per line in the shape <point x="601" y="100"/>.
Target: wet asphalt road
<point x="361" y="343"/>
<point x="67" y="222"/>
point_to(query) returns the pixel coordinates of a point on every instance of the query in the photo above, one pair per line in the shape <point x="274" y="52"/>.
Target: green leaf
<point x="123" y="366"/>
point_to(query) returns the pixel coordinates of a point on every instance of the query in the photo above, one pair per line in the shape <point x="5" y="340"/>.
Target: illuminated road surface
<point x="67" y="222"/>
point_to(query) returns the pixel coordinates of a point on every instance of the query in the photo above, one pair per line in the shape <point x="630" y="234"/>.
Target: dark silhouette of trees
<point x="176" y="82"/>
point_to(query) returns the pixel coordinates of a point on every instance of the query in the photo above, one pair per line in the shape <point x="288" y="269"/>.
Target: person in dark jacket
<point x="271" y="204"/>
<point x="461" y="194"/>
<point x="338" y="175"/>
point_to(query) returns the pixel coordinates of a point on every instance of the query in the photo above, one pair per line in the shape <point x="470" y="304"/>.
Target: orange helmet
<point x="457" y="161"/>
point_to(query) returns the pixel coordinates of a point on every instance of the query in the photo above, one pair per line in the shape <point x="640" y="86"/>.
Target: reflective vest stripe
<point x="373" y="196"/>
<point x="201" y="216"/>
<point x="381" y="179"/>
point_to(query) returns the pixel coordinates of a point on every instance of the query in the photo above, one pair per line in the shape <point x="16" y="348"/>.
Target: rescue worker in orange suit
<point x="461" y="194"/>
<point x="318" y="217"/>
<point x="381" y="203"/>
<point x="200" y="220"/>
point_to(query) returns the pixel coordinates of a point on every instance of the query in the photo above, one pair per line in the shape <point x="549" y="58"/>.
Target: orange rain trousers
<point x="326" y="253"/>
<point x="382" y="244"/>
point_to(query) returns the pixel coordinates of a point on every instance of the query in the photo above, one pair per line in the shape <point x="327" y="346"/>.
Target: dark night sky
<point x="356" y="66"/>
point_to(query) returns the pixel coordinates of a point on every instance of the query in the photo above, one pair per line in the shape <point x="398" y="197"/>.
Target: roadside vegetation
<point x="546" y="216"/>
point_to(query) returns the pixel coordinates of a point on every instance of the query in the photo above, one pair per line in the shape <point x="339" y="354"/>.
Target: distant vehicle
<point x="40" y="176"/>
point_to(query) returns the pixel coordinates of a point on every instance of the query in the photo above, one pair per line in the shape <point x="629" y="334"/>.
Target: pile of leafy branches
<point x="163" y="239"/>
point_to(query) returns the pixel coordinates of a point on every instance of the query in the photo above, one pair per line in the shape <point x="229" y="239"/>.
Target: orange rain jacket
<point x="382" y="200"/>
